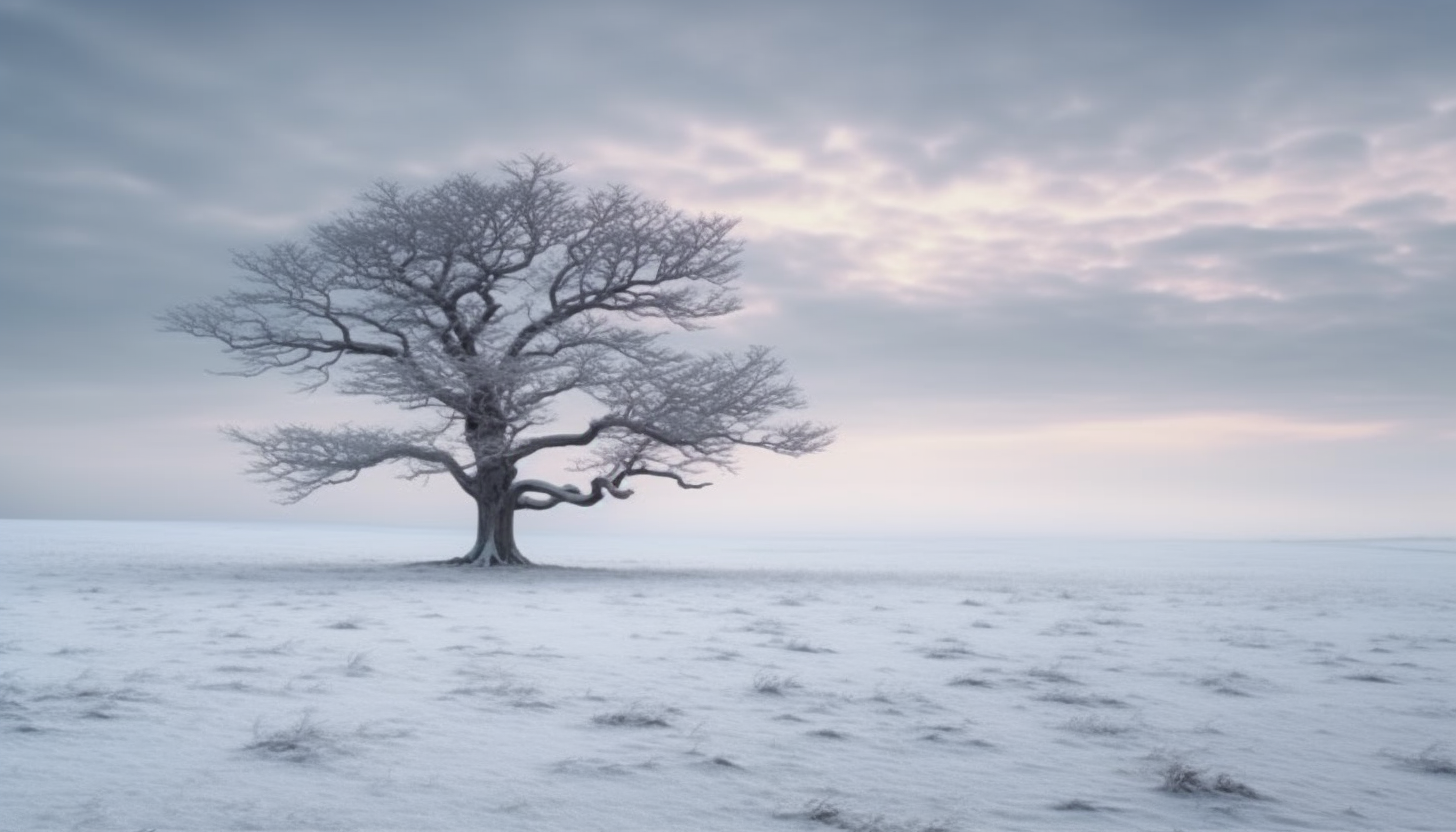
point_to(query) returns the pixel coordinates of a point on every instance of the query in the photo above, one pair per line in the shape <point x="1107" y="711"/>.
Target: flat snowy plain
<point x="213" y="676"/>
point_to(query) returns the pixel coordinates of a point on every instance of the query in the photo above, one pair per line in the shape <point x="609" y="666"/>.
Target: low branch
<point x="557" y="494"/>
<point x="681" y="481"/>
<point x="302" y="459"/>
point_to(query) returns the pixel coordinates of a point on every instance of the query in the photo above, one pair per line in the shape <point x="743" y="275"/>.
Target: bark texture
<point x="495" y="532"/>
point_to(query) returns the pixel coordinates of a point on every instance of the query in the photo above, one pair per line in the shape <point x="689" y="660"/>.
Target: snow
<point x="215" y="676"/>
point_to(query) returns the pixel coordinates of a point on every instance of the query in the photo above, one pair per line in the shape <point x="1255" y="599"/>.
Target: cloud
<point x="1176" y="289"/>
<point x="1403" y="207"/>
<point x="1197" y="431"/>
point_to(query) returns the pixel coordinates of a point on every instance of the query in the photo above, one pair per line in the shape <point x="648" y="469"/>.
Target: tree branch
<point x="557" y="494"/>
<point x="302" y="460"/>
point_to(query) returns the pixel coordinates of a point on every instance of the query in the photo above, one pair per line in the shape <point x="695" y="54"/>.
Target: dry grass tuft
<point x="1074" y="805"/>
<point x="801" y="646"/>
<point x="1067" y="697"/>
<point x="1098" y="726"/>
<point x="358" y="665"/>
<point x="1180" y="778"/>
<point x="828" y="814"/>
<point x="970" y="682"/>
<point x="303" y="741"/>
<point x="1371" y="677"/>
<point x="773" y="684"/>
<point x="634" y="716"/>
<point x="1431" y="760"/>
<point x="1052" y="674"/>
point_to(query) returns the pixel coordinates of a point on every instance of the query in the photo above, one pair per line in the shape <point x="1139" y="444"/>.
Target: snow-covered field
<point x="196" y="676"/>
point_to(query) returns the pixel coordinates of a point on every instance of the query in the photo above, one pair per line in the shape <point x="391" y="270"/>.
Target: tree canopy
<point x="479" y="306"/>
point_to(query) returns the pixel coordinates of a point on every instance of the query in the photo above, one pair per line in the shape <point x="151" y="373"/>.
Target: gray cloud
<point x="1109" y="354"/>
<point x="1412" y="206"/>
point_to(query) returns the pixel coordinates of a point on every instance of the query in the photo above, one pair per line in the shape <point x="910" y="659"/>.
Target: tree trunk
<point x="495" y="530"/>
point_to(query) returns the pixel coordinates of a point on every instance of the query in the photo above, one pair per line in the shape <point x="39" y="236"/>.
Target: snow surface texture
<point x="192" y="676"/>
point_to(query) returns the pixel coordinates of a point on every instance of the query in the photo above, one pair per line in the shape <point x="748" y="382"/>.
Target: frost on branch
<point x="479" y="307"/>
<point x="302" y="460"/>
<point x="682" y="416"/>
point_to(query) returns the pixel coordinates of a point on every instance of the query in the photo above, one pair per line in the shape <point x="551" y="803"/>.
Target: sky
<point x="1052" y="268"/>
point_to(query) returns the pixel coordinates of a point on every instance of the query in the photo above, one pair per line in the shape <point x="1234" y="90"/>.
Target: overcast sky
<point x="1066" y="268"/>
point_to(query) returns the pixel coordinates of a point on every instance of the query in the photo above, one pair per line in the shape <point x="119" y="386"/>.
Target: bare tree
<point x="480" y="306"/>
